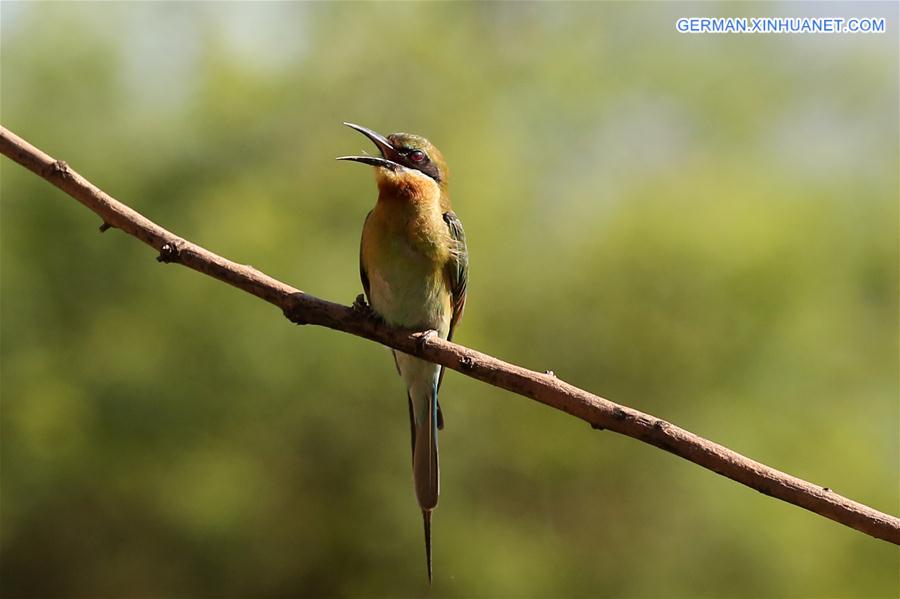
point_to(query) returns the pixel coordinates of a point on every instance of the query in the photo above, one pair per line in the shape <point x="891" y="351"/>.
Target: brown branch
<point x="601" y="413"/>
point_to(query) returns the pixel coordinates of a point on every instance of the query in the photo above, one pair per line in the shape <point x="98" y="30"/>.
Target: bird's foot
<point x="423" y="337"/>
<point x="361" y="306"/>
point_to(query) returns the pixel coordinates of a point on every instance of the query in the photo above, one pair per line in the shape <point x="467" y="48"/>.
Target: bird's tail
<point x="425" y="455"/>
<point x="426" y="519"/>
<point x="426" y="471"/>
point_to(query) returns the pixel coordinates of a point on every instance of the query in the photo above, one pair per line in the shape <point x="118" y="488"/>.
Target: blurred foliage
<point x="703" y="227"/>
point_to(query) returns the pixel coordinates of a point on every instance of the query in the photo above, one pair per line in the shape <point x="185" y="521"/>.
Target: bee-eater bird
<point x="414" y="267"/>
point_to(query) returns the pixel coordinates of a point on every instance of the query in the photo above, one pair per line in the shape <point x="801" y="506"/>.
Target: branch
<point x="601" y="413"/>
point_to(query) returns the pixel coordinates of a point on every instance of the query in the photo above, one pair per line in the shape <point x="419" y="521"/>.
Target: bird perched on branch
<point x="414" y="266"/>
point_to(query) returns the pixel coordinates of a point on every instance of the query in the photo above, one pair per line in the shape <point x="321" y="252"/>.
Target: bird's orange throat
<point x="410" y="207"/>
<point x="407" y="187"/>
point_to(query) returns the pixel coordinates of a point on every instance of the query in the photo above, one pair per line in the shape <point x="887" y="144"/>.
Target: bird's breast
<point x="404" y="257"/>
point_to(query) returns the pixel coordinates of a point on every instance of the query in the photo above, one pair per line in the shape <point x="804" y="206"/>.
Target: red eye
<point x="417" y="156"/>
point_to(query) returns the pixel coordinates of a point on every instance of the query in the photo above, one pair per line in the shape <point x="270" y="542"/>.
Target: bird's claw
<point x="423" y="337"/>
<point x="362" y="306"/>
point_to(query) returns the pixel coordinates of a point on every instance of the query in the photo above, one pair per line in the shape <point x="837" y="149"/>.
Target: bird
<point x="414" y="268"/>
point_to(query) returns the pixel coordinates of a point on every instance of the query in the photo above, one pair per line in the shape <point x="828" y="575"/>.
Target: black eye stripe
<point x="431" y="171"/>
<point x="424" y="165"/>
<point x="409" y="152"/>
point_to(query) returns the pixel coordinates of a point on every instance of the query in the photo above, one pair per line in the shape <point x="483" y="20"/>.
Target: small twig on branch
<point x="544" y="387"/>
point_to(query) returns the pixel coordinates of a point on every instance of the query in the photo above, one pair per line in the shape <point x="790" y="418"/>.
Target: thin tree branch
<point x="601" y="413"/>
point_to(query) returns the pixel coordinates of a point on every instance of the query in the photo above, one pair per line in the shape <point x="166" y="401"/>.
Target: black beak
<point x="389" y="155"/>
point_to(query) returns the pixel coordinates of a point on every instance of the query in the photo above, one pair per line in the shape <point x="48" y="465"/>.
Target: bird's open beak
<point x="388" y="154"/>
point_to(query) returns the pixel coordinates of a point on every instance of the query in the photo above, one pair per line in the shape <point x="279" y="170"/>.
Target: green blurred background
<point x="703" y="227"/>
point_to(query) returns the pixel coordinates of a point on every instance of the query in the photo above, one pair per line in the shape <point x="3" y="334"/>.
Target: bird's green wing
<point x="457" y="275"/>
<point x="457" y="269"/>
<point x="363" y="275"/>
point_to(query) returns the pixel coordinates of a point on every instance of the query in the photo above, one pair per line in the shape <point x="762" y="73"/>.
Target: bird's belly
<point x="413" y="298"/>
<point x="411" y="293"/>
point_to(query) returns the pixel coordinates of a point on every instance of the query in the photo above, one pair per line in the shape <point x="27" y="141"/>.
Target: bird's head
<point x="408" y="163"/>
